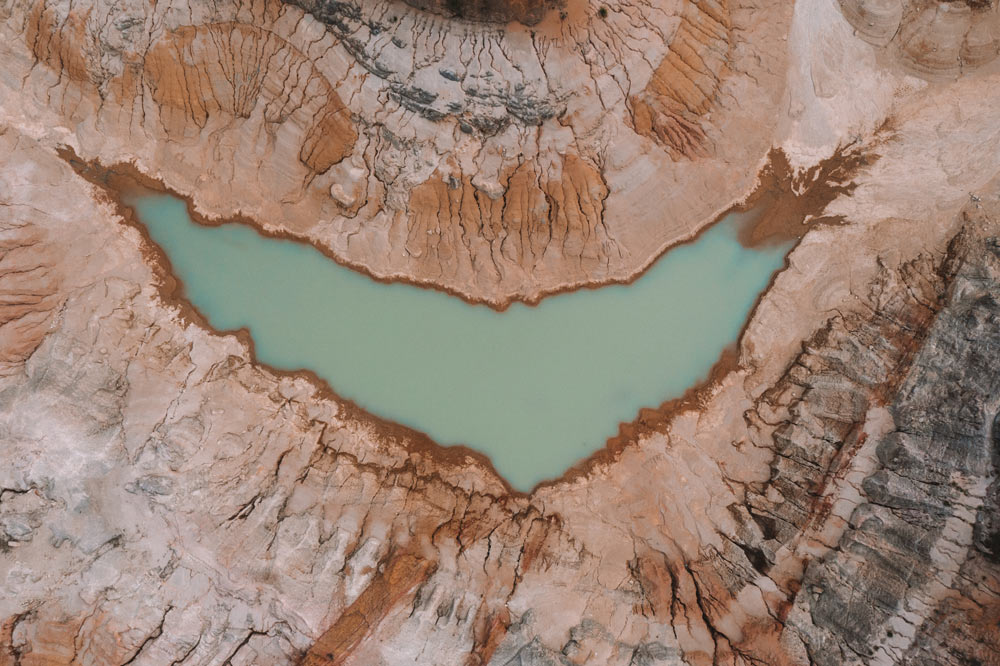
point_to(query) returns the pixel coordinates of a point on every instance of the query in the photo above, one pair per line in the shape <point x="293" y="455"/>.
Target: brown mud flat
<point x="786" y="204"/>
<point x="775" y="192"/>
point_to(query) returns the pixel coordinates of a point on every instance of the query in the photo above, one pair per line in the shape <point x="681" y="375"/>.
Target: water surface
<point x="534" y="388"/>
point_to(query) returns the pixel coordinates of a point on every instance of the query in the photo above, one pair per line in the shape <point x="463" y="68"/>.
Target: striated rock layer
<point x="831" y="496"/>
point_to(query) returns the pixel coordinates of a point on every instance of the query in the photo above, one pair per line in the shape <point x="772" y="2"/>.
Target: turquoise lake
<point x="534" y="388"/>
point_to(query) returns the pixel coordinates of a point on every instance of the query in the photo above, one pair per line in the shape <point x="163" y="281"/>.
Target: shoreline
<point x="757" y="230"/>
<point x="761" y="194"/>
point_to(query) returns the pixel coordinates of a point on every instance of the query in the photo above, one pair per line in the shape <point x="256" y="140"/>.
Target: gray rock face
<point x="482" y="97"/>
<point x="931" y="493"/>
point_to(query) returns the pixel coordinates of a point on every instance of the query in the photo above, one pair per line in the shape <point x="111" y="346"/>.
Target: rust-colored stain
<point x="685" y="85"/>
<point x="399" y="577"/>
<point x="786" y="198"/>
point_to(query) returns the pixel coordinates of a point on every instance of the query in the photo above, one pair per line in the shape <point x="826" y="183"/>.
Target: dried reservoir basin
<point x="534" y="388"/>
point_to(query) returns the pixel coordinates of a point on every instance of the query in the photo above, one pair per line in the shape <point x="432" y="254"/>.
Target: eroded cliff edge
<point x="497" y="161"/>
<point x="166" y="500"/>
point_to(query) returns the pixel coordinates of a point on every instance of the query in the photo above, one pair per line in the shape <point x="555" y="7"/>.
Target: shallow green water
<point x="536" y="389"/>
